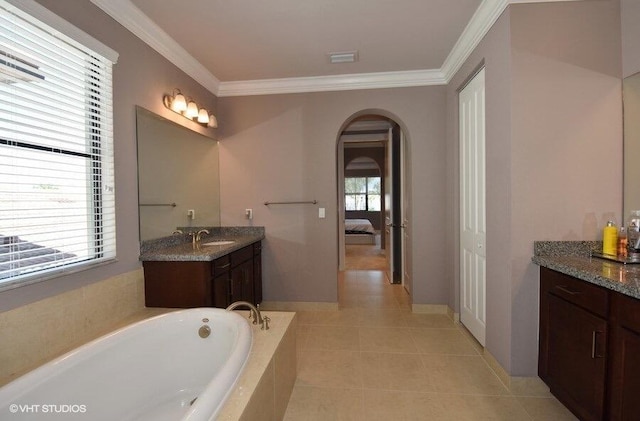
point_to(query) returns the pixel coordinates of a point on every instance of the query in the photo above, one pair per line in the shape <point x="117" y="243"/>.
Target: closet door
<point x="472" y="207"/>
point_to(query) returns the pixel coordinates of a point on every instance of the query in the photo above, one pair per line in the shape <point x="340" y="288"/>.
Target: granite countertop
<point x="179" y="248"/>
<point x="575" y="260"/>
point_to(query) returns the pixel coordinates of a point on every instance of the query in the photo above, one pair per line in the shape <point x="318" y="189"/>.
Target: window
<point x="362" y="193"/>
<point x="57" y="210"/>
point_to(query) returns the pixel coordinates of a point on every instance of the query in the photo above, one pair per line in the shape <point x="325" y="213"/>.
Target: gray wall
<point x="630" y="37"/>
<point x="284" y="147"/>
<point x="141" y="77"/>
<point x="554" y="148"/>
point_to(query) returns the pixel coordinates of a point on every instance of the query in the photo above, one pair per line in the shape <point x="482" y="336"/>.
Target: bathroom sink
<point x="218" y="243"/>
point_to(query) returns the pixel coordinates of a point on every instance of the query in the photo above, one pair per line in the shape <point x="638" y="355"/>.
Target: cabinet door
<point x="242" y="282"/>
<point x="625" y="358"/>
<point x="177" y="284"/>
<point x="576" y="364"/>
<point x="221" y="290"/>
<point x="626" y="400"/>
<point x="257" y="276"/>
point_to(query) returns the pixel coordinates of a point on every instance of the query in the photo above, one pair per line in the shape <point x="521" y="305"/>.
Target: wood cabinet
<point x="624" y="396"/>
<point x="589" y="348"/>
<point x="230" y="278"/>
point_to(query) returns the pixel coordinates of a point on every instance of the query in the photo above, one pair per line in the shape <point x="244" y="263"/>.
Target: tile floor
<point x="375" y="360"/>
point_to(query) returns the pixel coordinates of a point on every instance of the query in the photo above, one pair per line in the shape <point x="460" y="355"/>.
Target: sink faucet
<point x="196" y="236"/>
<point x="199" y="234"/>
<point x="255" y="311"/>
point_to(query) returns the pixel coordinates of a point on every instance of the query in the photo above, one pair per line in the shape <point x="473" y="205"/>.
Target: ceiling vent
<point x="343" y="57"/>
<point x="15" y="69"/>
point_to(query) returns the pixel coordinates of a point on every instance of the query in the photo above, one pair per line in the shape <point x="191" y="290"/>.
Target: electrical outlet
<point x="191" y="214"/>
<point x="248" y="213"/>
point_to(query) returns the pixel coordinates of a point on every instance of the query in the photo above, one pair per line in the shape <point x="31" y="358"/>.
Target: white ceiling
<point x="240" y="47"/>
<point x="258" y="39"/>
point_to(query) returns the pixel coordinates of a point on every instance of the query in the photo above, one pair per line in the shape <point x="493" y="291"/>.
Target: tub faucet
<point x="255" y="311"/>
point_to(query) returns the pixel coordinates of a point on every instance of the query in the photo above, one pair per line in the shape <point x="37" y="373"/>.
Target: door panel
<point x="472" y="208"/>
<point x="388" y="207"/>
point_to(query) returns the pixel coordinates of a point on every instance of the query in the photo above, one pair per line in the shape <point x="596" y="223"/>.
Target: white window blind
<point x="57" y="209"/>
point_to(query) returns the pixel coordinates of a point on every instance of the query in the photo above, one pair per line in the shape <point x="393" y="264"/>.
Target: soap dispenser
<point x="610" y="239"/>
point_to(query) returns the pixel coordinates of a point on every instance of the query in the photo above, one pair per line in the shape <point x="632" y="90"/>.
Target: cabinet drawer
<point x="220" y="266"/>
<point x="241" y="255"/>
<point x="581" y="293"/>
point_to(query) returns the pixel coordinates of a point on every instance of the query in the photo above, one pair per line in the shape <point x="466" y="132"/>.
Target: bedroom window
<point x="362" y="194"/>
<point x="57" y="209"/>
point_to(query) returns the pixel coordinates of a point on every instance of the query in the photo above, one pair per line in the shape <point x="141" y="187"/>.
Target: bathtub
<point x="157" y="369"/>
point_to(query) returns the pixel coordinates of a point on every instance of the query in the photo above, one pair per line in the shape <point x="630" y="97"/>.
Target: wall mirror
<point x="178" y="177"/>
<point x="631" y="101"/>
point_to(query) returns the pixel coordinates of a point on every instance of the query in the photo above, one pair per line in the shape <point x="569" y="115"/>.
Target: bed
<point x="359" y="231"/>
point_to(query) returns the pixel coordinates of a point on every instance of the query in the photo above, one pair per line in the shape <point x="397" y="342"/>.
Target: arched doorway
<point x="364" y="206"/>
<point x="376" y="136"/>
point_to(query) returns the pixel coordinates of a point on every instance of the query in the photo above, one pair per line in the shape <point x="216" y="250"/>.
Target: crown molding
<point x="346" y="82"/>
<point x="132" y="18"/>
<point x="482" y="20"/>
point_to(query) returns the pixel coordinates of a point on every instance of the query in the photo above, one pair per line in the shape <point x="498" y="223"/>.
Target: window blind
<point x="57" y="209"/>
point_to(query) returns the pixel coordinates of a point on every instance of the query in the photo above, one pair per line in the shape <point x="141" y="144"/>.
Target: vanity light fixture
<point x="179" y="104"/>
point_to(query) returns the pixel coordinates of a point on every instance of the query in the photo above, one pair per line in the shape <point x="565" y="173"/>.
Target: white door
<point x="472" y="208"/>
<point x="388" y="206"/>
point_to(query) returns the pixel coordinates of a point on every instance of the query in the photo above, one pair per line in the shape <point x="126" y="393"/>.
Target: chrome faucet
<point x="199" y="234"/>
<point x="255" y="311"/>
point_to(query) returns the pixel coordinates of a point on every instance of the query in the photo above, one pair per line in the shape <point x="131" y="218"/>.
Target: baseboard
<point x="494" y="365"/>
<point x="453" y="315"/>
<point x="298" y="306"/>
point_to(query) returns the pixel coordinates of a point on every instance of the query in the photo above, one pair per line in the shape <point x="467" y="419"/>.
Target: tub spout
<point x="255" y="311"/>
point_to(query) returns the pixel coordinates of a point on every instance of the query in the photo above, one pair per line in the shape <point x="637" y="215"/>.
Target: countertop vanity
<point x="589" y="345"/>
<point x="223" y="267"/>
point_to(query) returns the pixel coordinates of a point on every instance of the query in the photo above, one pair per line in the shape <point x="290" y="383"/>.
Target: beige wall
<point x="141" y="77"/>
<point x="554" y="149"/>
<point x="284" y="147"/>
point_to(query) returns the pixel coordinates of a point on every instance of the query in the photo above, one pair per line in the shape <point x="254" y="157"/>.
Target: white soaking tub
<point x="157" y="369"/>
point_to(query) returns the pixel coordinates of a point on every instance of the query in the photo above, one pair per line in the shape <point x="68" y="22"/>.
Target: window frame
<point x="98" y="144"/>
<point x="365" y="194"/>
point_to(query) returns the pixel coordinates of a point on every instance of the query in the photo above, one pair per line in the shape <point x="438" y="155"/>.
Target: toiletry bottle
<point x="609" y="239"/>
<point x="633" y="225"/>
<point x="622" y="242"/>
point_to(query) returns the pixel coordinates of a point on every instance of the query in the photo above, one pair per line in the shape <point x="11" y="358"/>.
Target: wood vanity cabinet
<point x="230" y="278"/>
<point x="257" y="271"/>
<point x="624" y="353"/>
<point x="589" y="347"/>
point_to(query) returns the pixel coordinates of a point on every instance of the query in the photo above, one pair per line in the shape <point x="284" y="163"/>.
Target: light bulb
<point x="179" y="103"/>
<point x="213" y="121"/>
<point x="192" y="110"/>
<point x="203" y="116"/>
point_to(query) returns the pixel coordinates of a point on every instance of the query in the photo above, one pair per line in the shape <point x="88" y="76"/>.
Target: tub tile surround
<point x="264" y="388"/>
<point x="36" y="333"/>
<point x="400" y="364"/>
